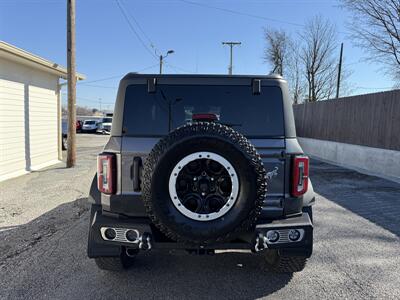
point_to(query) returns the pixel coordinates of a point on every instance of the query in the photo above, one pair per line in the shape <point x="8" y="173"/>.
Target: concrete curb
<point x="368" y="160"/>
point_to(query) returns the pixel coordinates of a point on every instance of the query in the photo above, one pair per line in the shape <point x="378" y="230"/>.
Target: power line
<point x="116" y="76"/>
<point x="231" y="11"/>
<point x="241" y="13"/>
<point x="100" y="86"/>
<point x="101" y="79"/>
<point x="152" y="45"/>
<point x="133" y="29"/>
<point x="89" y="99"/>
<point x="141" y="29"/>
<point x="178" y="69"/>
<point x="174" y="68"/>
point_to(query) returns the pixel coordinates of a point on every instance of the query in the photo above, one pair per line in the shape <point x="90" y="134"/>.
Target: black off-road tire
<point x="309" y="211"/>
<point x="284" y="264"/>
<point x="197" y="137"/>
<point x="116" y="264"/>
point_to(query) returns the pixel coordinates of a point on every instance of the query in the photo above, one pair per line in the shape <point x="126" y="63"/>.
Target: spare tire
<point x="203" y="183"/>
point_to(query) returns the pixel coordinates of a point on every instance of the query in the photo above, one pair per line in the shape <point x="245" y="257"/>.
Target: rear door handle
<point x="137" y="164"/>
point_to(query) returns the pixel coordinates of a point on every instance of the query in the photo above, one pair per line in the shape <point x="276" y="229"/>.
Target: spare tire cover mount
<point x="195" y="214"/>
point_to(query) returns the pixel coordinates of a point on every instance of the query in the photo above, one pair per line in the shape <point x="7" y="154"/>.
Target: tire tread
<point x="206" y="128"/>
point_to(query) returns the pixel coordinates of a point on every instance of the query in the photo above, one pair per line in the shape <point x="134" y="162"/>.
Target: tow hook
<point x="261" y="243"/>
<point x="145" y="241"/>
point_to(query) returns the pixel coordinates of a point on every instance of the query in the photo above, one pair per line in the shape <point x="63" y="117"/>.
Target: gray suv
<point x="200" y="163"/>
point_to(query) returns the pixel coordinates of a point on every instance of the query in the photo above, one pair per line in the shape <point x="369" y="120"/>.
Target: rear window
<point x="90" y="122"/>
<point x="171" y="106"/>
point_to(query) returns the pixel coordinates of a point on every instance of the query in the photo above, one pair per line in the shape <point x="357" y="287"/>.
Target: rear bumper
<point x="89" y="130"/>
<point x="99" y="245"/>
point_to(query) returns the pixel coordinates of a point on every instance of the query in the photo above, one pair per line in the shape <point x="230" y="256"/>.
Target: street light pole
<point x="231" y="44"/>
<point x="162" y="58"/>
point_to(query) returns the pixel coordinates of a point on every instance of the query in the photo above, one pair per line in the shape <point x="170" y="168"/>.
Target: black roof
<point x="134" y="75"/>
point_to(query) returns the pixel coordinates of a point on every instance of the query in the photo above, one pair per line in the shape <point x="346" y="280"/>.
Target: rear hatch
<point x="150" y="116"/>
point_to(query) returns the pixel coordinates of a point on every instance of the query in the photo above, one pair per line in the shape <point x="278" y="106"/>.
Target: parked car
<point x="202" y="163"/>
<point x="89" y="126"/>
<point x="79" y="126"/>
<point x="104" y="125"/>
<point x="64" y="134"/>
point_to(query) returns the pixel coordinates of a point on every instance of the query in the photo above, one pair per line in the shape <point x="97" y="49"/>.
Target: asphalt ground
<point x="43" y="236"/>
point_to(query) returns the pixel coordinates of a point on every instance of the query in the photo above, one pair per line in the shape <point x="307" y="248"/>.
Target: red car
<point x="78" y="126"/>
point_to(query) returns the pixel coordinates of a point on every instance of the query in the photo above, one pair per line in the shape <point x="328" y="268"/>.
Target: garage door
<point x="12" y="129"/>
<point x="43" y="127"/>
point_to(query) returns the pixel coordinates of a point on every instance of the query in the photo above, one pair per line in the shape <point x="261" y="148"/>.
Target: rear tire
<point x="221" y="144"/>
<point x="309" y="210"/>
<point x="284" y="264"/>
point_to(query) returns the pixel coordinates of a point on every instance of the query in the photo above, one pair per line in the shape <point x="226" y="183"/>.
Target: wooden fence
<point x="370" y="120"/>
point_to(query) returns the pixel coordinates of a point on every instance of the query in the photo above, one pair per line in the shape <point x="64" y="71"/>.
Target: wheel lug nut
<point x="203" y="194"/>
<point x="194" y="178"/>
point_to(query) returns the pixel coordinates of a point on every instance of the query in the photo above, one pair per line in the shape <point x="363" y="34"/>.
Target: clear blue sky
<point x="106" y="47"/>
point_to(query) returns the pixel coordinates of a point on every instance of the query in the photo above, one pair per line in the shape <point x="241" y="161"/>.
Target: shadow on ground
<point x="21" y="238"/>
<point x="50" y="253"/>
<point x="370" y="197"/>
<point x="178" y="275"/>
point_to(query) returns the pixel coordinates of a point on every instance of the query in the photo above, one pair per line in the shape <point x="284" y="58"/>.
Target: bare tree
<point x="375" y="27"/>
<point x="294" y="72"/>
<point x="318" y="56"/>
<point x="282" y="53"/>
<point x="276" y="50"/>
<point x="309" y="63"/>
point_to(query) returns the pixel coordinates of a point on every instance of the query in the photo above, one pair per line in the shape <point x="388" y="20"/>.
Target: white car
<point x="89" y="126"/>
<point x="105" y="125"/>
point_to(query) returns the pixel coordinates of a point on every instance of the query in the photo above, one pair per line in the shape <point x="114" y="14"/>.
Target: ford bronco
<point x="200" y="163"/>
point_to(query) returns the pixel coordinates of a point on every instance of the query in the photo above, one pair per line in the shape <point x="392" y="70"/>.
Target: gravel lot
<point x="43" y="232"/>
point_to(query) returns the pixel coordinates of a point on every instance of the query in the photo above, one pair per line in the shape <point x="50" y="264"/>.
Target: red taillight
<point x="300" y="175"/>
<point x="205" y="117"/>
<point x="106" y="173"/>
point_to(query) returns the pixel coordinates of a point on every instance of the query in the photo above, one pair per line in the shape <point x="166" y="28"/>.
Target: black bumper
<point x="99" y="246"/>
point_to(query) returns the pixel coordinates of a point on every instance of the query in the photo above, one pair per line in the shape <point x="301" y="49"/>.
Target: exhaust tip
<point x="132" y="235"/>
<point x="110" y="233"/>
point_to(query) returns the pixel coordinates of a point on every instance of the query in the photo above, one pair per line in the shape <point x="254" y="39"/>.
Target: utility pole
<point x="71" y="151"/>
<point x="339" y="71"/>
<point x="231" y="44"/>
<point x="162" y="58"/>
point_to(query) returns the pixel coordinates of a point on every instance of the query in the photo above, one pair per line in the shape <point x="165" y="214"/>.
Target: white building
<point x="30" y="111"/>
